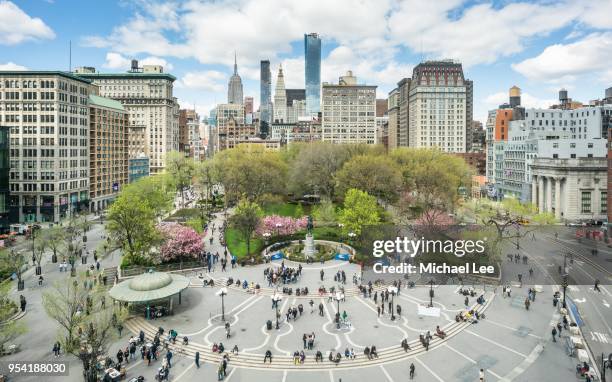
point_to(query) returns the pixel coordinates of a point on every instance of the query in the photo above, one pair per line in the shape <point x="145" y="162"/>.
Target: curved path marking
<point x="330" y="321"/>
<point x="389" y="355"/>
<point x="420" y="302"/>
<point x="215" y="316"/>
<point x="235" y="316"/>
<point x="278" y="337"/>
<point x="347" y="334"/>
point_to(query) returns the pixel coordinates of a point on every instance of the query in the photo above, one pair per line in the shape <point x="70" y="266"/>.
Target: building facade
<point x="229" y="122"/>
<point x="138" y="167"/>
<point x="393" y="123"/>
<point x="147" y="94"/>
<point x="312" y="73"/>
<point x="108" y="151"/>
<point x="48" y="116"/>
<point x="5" y="170"/>
<point x="571" y="189"/>
<point x="349" y="111"/>
<point x="234" y="87"/>
<point x="265" y="94"/>
<point x="440" y="105"/>
<point x="280" y="98"/>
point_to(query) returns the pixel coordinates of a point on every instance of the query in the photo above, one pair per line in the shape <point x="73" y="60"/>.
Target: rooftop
<point x="105" y="102"/>
<point x="140" y="75"/>
<point x="24" y="73"/>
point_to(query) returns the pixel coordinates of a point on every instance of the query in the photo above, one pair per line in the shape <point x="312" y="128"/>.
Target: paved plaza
<point x="510" y="343"/>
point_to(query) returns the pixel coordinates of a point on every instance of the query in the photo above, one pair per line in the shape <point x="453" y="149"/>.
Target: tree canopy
<point x="360" y="209"/>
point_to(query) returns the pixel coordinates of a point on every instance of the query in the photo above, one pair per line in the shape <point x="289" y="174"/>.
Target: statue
<point x="309" y="225"/>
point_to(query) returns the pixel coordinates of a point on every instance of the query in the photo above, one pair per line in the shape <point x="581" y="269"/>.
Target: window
<point x="586" y="202"/>
<point x="603" y="202"/>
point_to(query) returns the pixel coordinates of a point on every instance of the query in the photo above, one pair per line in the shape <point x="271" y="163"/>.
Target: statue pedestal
<point x="309" y="246"/>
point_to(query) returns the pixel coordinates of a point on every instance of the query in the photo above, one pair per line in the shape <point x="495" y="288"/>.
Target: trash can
<point x="269" y="325"/>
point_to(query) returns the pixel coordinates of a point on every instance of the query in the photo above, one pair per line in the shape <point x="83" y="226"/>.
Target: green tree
<point x="325" y="212"/>
<point x="9" y="329"/>
<point x="181" y="169"/>
<point x="251" y="172"/>
<point x="375" y="174"/>
<point x="206" y="177"/>
<point x="88" y="325"/>
<point x="360" y="209"/>
<point x="54" y="239"/>
<point x="246" y="219"/>
<point x="131" y="222"/>
<point x="14" y="262"/>
<point x="431" y="178"/>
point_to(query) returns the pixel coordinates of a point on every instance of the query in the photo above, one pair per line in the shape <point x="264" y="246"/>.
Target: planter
<point x="20" y="285"/>
<point x="54" y="258"/>
<point x="84" y="259"/>
<point x="38" y="271"/>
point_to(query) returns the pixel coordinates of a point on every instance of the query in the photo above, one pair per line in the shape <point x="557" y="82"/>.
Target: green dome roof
<point x="150" y="281"/>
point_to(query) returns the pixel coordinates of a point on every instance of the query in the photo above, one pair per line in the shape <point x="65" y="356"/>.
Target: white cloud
<point x="12" y="66"/>
<point x="563" y="62"/>
<point x="16" y="26"/>
<point x="210" y="80"/>
<point x="117" y="61"/>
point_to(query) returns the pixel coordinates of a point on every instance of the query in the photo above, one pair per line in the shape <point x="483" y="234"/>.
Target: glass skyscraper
<point x="312" y="54"/>
<point x="265" y="90"/>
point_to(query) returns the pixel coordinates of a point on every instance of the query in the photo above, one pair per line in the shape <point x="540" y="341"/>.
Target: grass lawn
<point x="237" y="246"/>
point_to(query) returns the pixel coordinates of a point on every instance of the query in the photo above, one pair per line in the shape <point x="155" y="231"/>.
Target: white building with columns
<point x="571" y="189"/>
<point x="548" y="133"/>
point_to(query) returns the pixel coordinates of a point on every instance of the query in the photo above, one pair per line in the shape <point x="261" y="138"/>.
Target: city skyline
<point x="559" y="46"/>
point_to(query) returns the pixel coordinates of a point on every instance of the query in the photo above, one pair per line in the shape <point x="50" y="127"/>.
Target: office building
<point x="348" y="111"/>
<point x="440" y="106"/>
<point x="138" y="167"/>
<point x="403" y="102"/>
<point x="392" y="130"/>
<point x="108" y="151"/>
<point x="5" y="170"/>
<point x="280" y="98"/>
<point x="563" y="134"/>
<point x="48" y="116"/>
<point x="234" y="87"/>
<point x="475" y="137"/>
<point x="147" y="94"/>
<point x="312" y="75"/>
<point x="229" y="125"/>
<point x="183" y="131"/>
<point x="265" y="94"/>
<point x="248" y="105"/>
<point x="497" y="129"/>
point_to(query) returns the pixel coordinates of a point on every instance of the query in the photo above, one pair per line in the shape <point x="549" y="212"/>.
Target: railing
<point x="171" y="267"/>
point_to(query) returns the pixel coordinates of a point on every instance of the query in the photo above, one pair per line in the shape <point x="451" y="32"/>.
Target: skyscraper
<point x="280" y="98"/>
<point x="265" y="91"/>
<point x="234" y="88"/>
<point x="312" y="54"/>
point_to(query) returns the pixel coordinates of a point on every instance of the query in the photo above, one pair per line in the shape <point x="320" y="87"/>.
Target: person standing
<point x="378" y="308"/>
<point x="412" y="371"/>
<point x="197" y="359"/>
<point x="554" y="333"/>
<point x="22" y="302"/>
<point x="466" y="302"/>
<point x="169" y="358"/>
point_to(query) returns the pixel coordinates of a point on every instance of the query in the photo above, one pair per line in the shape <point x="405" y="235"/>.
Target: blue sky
<point x="539" y="46"/>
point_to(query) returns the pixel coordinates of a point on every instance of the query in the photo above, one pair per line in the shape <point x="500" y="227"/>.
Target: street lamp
<point x="605" y="363"/>
<point x="431" y="293"/>
<point x="278" y="227"/>
<point x="276" y="298"/>
<point x="339" y="297"/>
<point x="222" y="292"/>
<point x="565" y="278"/>
<point x="393" y="290"/>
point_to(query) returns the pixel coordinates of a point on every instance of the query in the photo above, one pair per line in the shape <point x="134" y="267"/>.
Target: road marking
<point x="518" y="370"/>
<point x="229" y="376"/>
<point x="600" y="337"/>
<point x="134" y="365"/>
<point x="284" y="375"/>
<point x="428" y="369"/>
<point x="496" y="343"/>
<point x="184" y="372"/>
<point x="386" y="373"/>
<point x="331" y="376"/>
<point x="606" y="304"/>
<point x="508" y="327"/>
<point x="471" y="360"/>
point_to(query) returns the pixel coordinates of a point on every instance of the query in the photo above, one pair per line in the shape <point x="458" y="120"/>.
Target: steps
<point x="284" y="362"/>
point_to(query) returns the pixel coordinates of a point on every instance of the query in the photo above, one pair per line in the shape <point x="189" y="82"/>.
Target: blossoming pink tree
<point x="180" y="242"/>
<point x="434" y="220"/>
<point x="281" y="225"/>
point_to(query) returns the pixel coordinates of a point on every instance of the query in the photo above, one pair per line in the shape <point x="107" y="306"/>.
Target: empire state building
<point x="234" y="88"/>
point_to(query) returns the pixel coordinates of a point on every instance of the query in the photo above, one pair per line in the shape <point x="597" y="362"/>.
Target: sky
<point x="540" y="46"/>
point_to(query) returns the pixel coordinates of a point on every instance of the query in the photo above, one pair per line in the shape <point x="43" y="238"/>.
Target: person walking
<point x="378" y="308"/>
<point x="197" y="359"/>
<point x="169" y="358"/>
<point x="527" y="303"/>
<point x="412" y="371"/>
<point x="554" y="333"/>
<point x="466" y="302"/>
